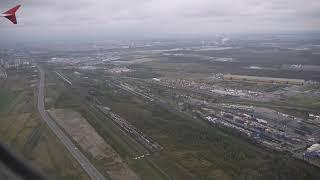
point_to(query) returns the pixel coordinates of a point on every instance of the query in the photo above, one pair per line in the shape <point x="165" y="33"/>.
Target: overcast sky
<point x="75" y="18"/>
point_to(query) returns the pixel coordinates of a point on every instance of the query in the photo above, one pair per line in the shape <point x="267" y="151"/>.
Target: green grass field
<point x="6" y="98"/>
<point x="24" y="132"/>
<point x="27" y="135"/>
<point x="304" y="101"/>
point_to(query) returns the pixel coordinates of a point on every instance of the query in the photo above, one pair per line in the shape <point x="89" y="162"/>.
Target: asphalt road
<point x="76" y="153"/>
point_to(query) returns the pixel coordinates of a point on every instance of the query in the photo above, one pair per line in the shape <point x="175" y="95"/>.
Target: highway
<point x="76" y="153"/>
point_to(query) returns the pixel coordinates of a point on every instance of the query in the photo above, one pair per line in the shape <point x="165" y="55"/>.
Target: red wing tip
<point x="10" y="14"/>
<point x="16" y="7"/>
<point x="12" y="10"/>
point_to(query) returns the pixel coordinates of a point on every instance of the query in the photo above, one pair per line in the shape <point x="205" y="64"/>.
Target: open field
<point x="6" y="99"/>
<point x="304" y="101"/>
<point x="193" y="67"/>
<point x="22" y="129"/>
<point x="83" y="133"/>
<point x="26" y="134"/>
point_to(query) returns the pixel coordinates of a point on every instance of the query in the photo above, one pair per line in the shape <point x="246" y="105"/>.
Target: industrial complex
<point x="264" y="79"/>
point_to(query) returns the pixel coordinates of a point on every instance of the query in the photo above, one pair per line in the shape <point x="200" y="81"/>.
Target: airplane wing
<point x="11" y="14"/>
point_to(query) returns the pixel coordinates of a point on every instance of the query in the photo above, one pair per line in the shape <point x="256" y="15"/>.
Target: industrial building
<point x="3" y="73"/>
<point x="264" y="79"/>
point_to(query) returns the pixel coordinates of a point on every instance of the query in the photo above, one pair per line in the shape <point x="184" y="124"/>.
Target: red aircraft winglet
<point x="11" y="14"/>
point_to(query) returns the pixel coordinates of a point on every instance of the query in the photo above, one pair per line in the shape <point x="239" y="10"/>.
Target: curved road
<point x="76" y="153"/>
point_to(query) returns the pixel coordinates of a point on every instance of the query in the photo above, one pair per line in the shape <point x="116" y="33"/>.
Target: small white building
<point x="313" y="148"/>
<point x="156" y="79"/>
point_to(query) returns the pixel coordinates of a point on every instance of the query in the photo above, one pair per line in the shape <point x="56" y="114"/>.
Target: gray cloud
<point x="43" y="18"/>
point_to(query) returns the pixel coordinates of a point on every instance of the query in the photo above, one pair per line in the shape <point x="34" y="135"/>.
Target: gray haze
<point x="43" y="19"/>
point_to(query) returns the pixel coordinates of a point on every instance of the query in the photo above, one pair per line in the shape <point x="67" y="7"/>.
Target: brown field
<point x="89" y="140"/>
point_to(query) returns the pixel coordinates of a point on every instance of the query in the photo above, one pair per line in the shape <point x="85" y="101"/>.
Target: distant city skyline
<point x="40" y="19"/>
